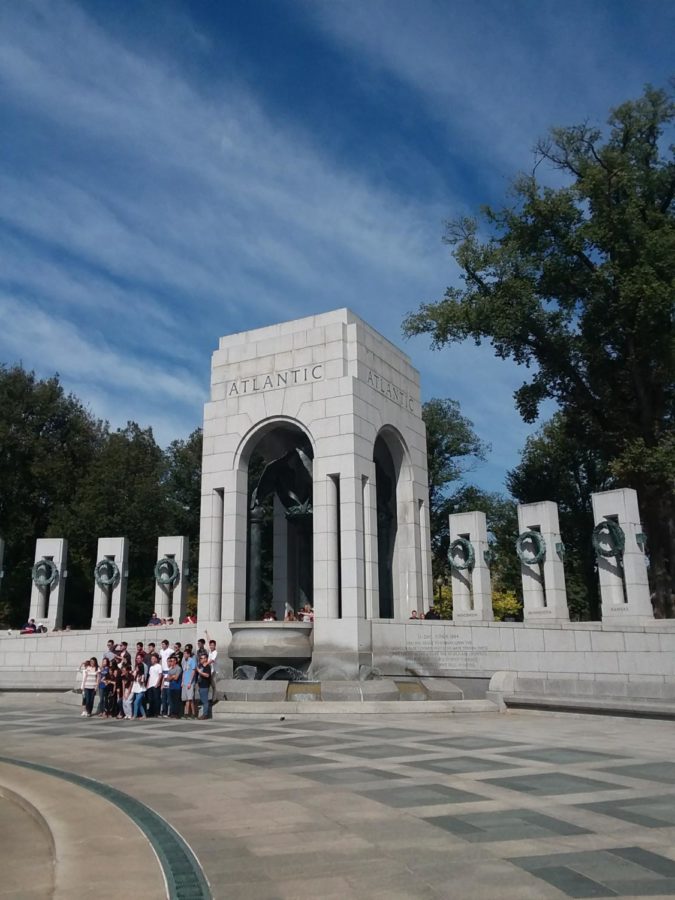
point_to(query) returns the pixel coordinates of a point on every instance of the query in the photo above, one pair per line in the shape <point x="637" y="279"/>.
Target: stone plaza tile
<point x="386" y="734"/>
<point x="548" y="783"/>
<point x="456" y="765"/>
<point x="509" y="825"/>
<point x="420" y="795"/>
<point x="319" y="741"/>
<point x="287" y="760"/>
<point x="649" y="812"/>
<point x="473" y="742"/>
<point x="348" y="776"/>
<point x="562" y="755"/>
<point x="242" y="751"/>
<point x="663" y="771"/>
<point x="616" y="872"/>
<point x="380" y="751"/>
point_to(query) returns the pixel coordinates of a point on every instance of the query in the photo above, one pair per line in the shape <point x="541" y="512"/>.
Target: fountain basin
<point x="271" y="643"/>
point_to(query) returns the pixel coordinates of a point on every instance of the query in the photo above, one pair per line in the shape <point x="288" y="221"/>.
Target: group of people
<point x="306" y="614"/>
<point x="172" y="682"/>
<point x="189" y="619"/>
<point x="432" y="613"/>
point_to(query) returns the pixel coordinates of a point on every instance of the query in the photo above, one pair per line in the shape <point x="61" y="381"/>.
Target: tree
<point x="183" y="485"/>
<point x="452" y="447"/>
<point x="576" y="282"/>
<point x="47" y="440"/>
<point x="554" y="466"/>
<point x="122" y="493"/>
<point x="64" y="473"/>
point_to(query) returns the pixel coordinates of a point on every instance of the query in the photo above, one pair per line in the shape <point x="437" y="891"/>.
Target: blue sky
<point x="171" y="172"/>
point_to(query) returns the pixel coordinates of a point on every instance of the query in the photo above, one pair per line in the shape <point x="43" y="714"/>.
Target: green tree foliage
<point x="63" y="473"/>
<point x="452" y="448"/>
<point x="183" y="485"/>
<point x="555" y="466"/>
<point x="47" y="439"/>
<point x="576" y="282"/>
<point x="122" y="493"/>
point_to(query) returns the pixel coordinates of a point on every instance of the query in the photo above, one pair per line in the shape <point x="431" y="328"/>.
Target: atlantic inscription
<point x="273" y="380"/>
<point x="386" y="388"/>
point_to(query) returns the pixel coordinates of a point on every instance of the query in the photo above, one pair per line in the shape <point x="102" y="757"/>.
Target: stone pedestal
<point x="171" y="600"/>
<point x="46" y="603"/>
<point x="624" y="584"/>
<point x="110" y="602"/>
<point x="471" y="587"/>
<point x="544" y="593"/>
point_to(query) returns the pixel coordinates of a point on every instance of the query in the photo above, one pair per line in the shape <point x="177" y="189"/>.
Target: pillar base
<point x="341" y="647"/>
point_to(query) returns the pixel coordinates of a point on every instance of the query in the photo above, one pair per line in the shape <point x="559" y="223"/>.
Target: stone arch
<point x="253" y="435"/>
<point x="275" y="459"/>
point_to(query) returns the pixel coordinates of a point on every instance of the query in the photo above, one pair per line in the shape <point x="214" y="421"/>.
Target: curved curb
<point x="185" y="879"/>
<point x="42" y="871"/>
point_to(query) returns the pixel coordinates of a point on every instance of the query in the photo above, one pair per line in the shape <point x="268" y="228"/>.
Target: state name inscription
<point x="274" y="380"/>
<point x="387" y="389"/>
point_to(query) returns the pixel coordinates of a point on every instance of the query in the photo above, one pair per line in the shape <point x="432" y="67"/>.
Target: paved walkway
<point x="480" y="806"/>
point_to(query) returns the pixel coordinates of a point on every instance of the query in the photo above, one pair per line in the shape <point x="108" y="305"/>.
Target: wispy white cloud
<point x="497" y="75"/>
<point x="145" y="213"/>
<point x="170" y="216"/>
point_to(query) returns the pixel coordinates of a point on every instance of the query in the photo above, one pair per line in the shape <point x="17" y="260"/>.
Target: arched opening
<point x="279" y="564"/>
<point x="387" y="524"/>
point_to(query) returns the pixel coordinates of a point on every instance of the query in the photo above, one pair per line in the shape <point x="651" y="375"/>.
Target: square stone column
<point x="171" y="600"/>
<point x="624" y="583"/>
<point x="210" y="554"/>
<point x="280" y="593"/>
<point x="544" y="592"/>
<point x="471" y="587"/>
<point x="110" y="602"/>
<point x="370" y="543"/>
<point x="46" y="603"/>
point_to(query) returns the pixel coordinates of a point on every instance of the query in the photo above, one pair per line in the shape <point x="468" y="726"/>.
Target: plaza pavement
<point x="489" y="805"/>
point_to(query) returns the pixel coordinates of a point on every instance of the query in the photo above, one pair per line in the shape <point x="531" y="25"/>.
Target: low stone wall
<point x="51" y="661"/>
<point x="580" y="650"/>
<point x="587" y="650"/>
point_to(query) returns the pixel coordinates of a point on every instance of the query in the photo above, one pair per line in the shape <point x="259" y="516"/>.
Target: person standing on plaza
<point x="119" y="691"/>
<point x="174" y="678"/>
<point x="102" y="676"/>
<point x="89" y="685"/>
<point x="109" y="695"/>
<point x="154" y="688"/>
<point x="127" y="695"/>
<point x="123" y="655"/>
<point x="138" y="691"/>
<point x="164" y="655"/>
<point x="204" y="682"/>
<point x="188" y="683"/>
<point x="213" y="663"/>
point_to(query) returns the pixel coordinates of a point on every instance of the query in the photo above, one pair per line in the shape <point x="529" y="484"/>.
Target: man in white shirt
<point x="213" y="662"/>
<point x="164" y="654"/>
<point x="153" y="686"/>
